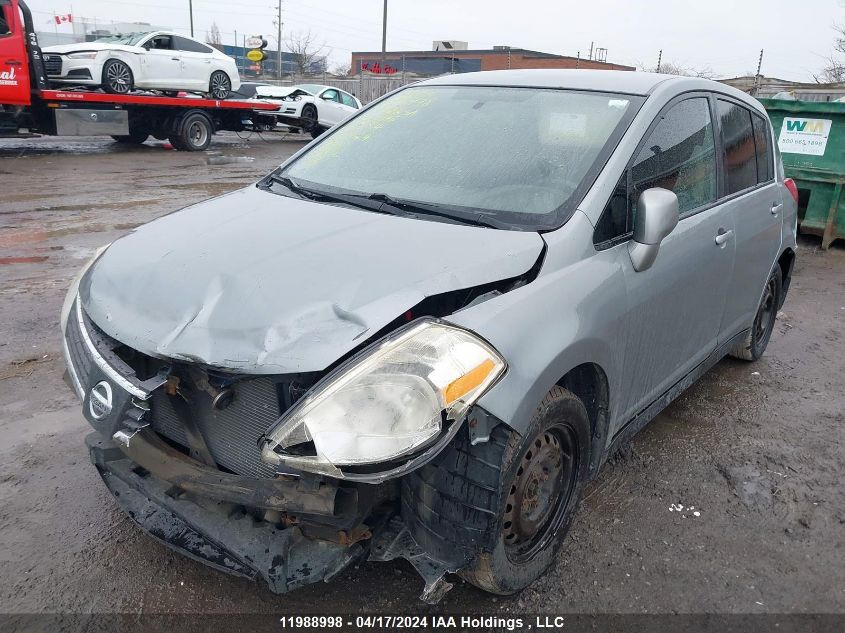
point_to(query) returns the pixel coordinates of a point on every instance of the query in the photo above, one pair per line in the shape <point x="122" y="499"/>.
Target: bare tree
<point x="305" y="49"/>
<point x="672" y="68"/>
<point x="834" y="68"/>
<point x="213" y="36"/>
<point x="342" y="68"/>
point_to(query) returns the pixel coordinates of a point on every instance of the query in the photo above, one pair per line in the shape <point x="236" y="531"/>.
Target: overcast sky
<point x="723" y="35"/>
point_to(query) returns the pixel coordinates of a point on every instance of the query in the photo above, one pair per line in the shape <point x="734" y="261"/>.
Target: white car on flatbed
<point x="155" y="60"/>
<point x="310" y="107"/>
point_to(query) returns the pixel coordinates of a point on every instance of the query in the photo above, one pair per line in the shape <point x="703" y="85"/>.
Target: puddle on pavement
<point x="229" y="160"/>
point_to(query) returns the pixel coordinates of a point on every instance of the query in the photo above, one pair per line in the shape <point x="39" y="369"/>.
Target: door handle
<point x="175" y="59"/>
<point x="13" y="62"/>
<point x="724" y="236"/>
<point x="776" y="207"/>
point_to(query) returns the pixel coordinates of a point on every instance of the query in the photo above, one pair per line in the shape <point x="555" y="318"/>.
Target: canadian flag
<point x="62" y="19"/>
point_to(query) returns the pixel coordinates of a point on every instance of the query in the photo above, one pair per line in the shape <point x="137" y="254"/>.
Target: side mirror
<point x="657" y="217"/>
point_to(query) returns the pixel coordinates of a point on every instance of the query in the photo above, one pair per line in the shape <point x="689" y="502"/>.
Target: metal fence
<point x="365" y="88"/>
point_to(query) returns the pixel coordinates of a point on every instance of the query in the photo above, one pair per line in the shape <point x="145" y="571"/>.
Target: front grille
<point x="53" y="64"/>
<point x="232" y="434"/>
<point x="80" y="357"/>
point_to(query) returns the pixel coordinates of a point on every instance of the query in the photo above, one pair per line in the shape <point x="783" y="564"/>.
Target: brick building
<point x="461" y="61"/>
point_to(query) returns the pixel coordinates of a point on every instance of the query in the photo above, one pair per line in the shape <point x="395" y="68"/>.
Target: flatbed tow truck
<point x="30" y="107"/>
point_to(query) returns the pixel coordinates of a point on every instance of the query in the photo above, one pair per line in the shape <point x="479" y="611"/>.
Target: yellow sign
<point x="255" y="55"/>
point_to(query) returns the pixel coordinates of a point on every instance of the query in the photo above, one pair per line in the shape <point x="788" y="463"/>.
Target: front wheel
<point x="757" y="338"/>
<point x="219" y="86"/>
<point x="117" y="77"/>
<point x="309" y="118"/>
<point x="135" y="137"/>
<point x="544" y="472"/>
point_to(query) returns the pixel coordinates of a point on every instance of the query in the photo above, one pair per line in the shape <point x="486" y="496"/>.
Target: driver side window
<point x="159" y="42"/>
<point x="679" y="154"/>
<point x="331" y="95"/>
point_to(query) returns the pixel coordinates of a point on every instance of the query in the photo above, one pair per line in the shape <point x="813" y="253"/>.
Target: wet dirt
<point x="732" y="500"/>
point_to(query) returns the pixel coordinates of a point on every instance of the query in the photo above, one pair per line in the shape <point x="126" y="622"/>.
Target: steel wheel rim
<point x="540" y="492"/>
<point x="310" y="116"/>
<point x="219" y="85"/>
<point x="197" y="134"/>
<point x="765" y="320"/>
<point x="118" y="76"/>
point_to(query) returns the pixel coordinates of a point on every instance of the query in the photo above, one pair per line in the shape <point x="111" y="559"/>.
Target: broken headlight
<point x="386" y="403"/>
<point x="70" y="297"/>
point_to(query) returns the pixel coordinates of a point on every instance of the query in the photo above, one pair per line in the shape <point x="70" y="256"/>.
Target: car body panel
<point x="270" y="284"/>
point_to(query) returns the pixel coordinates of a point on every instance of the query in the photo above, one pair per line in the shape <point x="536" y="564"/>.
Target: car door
<point x="196" y="63"/>
<point x="330" y="111"/>
<point x="675" y="307"/>
<point x="755" y="200"/>
<point x="161" y="65"/>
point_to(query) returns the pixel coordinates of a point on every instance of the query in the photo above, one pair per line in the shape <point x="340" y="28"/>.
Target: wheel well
<point x="589" y="383"/>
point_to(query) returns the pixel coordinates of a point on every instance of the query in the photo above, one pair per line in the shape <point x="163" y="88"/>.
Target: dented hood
<point x="261" y="283"/>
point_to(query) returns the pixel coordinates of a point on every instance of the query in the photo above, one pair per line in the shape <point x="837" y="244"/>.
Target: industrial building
<point x="453" y="57"/>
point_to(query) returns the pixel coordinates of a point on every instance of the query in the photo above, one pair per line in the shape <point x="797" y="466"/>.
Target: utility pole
<point x="659" y="59"/>
<point x="279" y="40"/>
<point x="384" y="37"/>
<point x="591" y="49"/>
<point x="191" y="14"/>
<point x="757" y="76"/>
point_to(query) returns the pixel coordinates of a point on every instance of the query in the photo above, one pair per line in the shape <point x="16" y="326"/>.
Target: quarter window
<point x="738" y="141"/>
<point x="765" y="171"/>
<point x="679" y="155"/>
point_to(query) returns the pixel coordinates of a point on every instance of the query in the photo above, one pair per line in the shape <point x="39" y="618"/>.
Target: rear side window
<point x="679" y="155"/>
<point x="765" y="170"/>
<point x="738" y="140"/>
<point x="184" y="44"/>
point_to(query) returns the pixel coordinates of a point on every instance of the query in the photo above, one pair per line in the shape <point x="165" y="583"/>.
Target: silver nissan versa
<point x="425" y="332"/>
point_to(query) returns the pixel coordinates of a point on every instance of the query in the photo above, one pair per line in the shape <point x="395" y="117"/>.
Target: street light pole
<point x="191" y="13"/>
<point x="384" y="37"/>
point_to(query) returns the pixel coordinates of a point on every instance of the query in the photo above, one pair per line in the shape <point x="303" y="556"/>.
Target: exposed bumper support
<point x="212" y="534"/>
<point x="146" y="449"/>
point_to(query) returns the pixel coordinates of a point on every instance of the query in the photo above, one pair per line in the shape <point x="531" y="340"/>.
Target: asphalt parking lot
<point x="731" y="501"/>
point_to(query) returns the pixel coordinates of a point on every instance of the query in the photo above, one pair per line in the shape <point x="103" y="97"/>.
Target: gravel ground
<point x="754" y="453"/>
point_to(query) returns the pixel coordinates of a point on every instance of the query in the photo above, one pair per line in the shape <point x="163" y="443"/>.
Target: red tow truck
<point x="30" y="107"/>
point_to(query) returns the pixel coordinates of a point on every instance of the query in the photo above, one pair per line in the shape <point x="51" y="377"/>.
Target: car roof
<point x="621" y="81"/>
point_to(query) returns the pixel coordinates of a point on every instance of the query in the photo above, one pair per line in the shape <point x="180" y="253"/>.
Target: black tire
<point x="219" y="85"/>
<point x="317" y="131"/>
<point x="117" y="77"/>
<point x="309" y="118"/>
<point x="757" y="339"/>
<point x="194" y="133"/>
<point x="135" y="137"/>
<point x="469" y="506"/>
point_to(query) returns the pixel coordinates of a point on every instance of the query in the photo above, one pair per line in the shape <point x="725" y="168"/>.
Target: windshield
<point x="130" y="39"/>
<point x="517" y="155"/>
<point x="312" y="88"/>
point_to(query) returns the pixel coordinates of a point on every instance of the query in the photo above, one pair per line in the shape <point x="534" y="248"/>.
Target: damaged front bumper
<point x="199" y="512"/>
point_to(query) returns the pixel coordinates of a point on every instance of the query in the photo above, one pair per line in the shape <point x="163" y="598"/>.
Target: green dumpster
<point x="811" y="138"/>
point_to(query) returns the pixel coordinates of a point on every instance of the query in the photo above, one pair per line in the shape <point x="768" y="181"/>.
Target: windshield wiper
<point x="422" y="208"/>
<point x="359" y="201"/>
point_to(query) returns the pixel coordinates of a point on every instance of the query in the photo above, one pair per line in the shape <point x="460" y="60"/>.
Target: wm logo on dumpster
<point x="803" y="125"/>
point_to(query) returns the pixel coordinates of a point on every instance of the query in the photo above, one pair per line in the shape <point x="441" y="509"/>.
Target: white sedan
<point x="157" y="60"/>
<point x="310" y="107"/>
